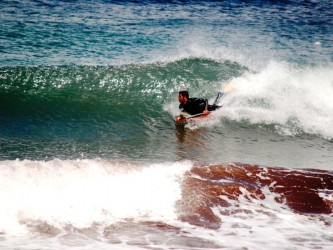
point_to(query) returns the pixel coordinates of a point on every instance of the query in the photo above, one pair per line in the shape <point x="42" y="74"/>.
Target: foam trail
<point x="84" y="192"/>
<point x="295" y="99"/>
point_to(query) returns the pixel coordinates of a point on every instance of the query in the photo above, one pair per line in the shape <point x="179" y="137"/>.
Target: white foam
<point x="83" y="192"/>
<point x="263" y="224"/>
<point x="293" y="98"/>
<point x="86" y="192"/>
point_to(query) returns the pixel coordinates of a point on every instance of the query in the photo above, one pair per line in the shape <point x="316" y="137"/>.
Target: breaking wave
<point x="89" y="200"/>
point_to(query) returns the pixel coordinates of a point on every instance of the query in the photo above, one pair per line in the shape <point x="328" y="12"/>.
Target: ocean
<point x="90" y="157"/>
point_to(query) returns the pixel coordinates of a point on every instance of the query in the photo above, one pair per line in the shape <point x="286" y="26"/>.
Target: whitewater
<point x="94" y="203"/>
<point x="90" y="157"/>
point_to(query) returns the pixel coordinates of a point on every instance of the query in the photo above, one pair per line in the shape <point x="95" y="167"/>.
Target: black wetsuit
<point x="213" y="107"/>
<point x="194" y="106"/>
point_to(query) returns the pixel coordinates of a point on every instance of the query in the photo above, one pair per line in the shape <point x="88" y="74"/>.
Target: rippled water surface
<point x="90" y="156"/>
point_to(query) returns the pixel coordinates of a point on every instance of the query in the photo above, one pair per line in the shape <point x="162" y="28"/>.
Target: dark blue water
<point x="117" y="32"/>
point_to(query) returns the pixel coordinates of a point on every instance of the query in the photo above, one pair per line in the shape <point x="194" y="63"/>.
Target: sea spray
<point x="295" y="99"/>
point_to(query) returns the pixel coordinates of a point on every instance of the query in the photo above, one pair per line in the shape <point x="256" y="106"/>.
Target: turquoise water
<point x="125" y="112"/>
<point x="100" y="80"/>
<point x="88" y="95"/>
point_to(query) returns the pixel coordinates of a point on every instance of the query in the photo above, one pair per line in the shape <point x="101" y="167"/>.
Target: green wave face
<point x="61" y="109"/>
<point x="112" y="91"/>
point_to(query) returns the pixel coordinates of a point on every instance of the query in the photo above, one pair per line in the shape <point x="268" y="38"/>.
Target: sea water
<point x="90" y="157"/>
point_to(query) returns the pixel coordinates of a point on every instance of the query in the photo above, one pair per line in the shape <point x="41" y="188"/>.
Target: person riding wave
<point x="195" y="105"/>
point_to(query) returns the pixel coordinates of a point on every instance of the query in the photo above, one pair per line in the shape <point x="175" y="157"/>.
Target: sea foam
<point x="295" y="99"/>
<point x="83" y="192"/>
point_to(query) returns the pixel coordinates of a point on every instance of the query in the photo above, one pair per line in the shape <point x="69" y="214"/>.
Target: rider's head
<point x="183" y="96"/>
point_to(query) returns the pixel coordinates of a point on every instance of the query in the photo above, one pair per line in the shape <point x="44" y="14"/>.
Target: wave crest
<point x="293" y="99"/>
